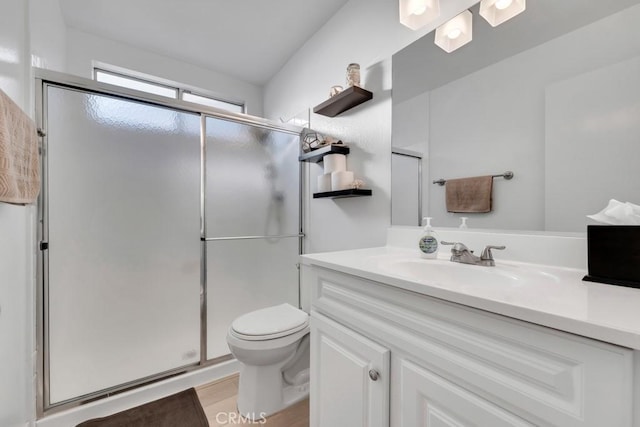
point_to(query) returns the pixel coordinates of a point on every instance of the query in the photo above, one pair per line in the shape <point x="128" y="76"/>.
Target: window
<point x="211" y="102"/>
<point x="132" y="83"/>
<point x="175" y="92"/>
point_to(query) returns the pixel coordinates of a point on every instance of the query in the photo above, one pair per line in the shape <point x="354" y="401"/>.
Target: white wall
<point x="14" y="42"/>
<point x="16" y="304"/>
<point x="48" y="35"/>
<point x="84" y="48"/>
<point x="366" y="32"/>
<point x="26" y="28"/>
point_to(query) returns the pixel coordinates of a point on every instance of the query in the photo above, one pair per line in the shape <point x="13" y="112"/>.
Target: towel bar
<point x="506" y="175"/>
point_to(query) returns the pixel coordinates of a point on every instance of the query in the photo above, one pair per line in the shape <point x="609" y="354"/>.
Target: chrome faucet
<point x="461" y="253"/>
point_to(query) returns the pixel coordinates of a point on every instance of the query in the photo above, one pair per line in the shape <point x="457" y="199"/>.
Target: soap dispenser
<point x="428" y="243"/>
<point x="463" y="223"/>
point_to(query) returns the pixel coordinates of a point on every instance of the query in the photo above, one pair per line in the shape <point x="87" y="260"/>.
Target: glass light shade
<point x="498" y="11"/>
<point x="455" y="33"/>
<point x="418" y="13"/>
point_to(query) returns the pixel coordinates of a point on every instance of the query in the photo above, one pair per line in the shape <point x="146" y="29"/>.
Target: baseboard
<point x="139" y="396"/>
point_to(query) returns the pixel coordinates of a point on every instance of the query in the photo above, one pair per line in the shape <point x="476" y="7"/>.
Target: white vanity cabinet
<point x="351" y="372"/>
<point x="428" y="399"/>
<point x="445" y="364"/>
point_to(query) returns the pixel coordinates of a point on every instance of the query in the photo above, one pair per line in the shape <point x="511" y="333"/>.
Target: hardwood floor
<point x="219" y="402"/>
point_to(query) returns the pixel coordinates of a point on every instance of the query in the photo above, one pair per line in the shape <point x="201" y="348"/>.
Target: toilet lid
<point x="271" y="322"/>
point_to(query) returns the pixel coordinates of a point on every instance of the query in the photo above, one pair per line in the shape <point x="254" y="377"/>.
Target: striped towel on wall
<point x="19" y="161"/>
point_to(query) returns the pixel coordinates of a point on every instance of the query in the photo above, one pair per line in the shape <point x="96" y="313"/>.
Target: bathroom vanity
<point x="402" y="341"/>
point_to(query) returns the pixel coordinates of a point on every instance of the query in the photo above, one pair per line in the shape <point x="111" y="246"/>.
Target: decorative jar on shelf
<point x="353" y="75"/>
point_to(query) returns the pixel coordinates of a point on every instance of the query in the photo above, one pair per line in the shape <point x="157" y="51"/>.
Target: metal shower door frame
<point x="47" y="78"/>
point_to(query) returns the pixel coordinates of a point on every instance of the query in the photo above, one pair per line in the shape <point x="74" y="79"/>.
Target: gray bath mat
<point x="179" y="410"/>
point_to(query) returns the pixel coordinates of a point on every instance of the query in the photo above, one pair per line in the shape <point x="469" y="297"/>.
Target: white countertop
<point x="551" y="296"/>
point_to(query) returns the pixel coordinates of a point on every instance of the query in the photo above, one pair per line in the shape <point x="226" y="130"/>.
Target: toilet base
<point x="295" y="393"/>
<point x="262" y="391"/>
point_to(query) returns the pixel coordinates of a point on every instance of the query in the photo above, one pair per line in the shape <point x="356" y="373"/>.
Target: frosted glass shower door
<point x="124" y="241"/>
<point x="252" y="190"/>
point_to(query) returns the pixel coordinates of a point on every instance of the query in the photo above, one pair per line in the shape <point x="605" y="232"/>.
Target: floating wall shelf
<point x="341" y="194"/>
<point x="343" y="101"/>
<point x="316" y="156"/>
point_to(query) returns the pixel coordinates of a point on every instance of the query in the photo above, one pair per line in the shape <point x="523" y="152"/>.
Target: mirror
<point x="552" y="94"/>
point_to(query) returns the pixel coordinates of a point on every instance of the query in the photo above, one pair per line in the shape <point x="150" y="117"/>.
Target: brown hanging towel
<point x="469" y="195"/>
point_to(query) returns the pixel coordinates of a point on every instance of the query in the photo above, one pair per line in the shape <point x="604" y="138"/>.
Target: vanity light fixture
<point x="418" y="13"/>
<point x="498" y="11"/>
<point x="455" y="33"/>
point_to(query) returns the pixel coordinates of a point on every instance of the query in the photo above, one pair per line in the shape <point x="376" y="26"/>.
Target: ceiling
<point x="248" y="39"/>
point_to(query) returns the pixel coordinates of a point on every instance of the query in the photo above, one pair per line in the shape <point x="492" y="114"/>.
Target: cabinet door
<point x="429" y="400"/>
<point x="350" y="377"/>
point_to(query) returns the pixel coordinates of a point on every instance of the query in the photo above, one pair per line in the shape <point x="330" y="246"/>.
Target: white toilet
<point x="272" y="345"/>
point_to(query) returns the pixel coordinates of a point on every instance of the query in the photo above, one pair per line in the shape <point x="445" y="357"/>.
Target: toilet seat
<point x="270" y="323"/>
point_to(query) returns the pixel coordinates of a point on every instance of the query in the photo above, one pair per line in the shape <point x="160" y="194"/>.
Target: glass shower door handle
<point x="282" y="236"/>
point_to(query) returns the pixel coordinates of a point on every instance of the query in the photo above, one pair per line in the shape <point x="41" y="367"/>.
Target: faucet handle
<point x="487" y="254"/>
<point x="457" y="248"/>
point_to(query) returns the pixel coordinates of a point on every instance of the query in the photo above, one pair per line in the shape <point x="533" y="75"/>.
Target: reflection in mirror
<point x="407" y="187"/>
<point x="552" y="95"/>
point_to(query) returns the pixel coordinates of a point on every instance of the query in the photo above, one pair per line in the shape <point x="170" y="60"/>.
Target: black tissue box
<point x="614" y="254"/>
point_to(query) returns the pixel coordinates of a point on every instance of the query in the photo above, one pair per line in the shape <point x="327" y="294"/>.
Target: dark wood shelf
<point x="345" y="100"/>
<point x="316" y="156"/>
<point x="341" y="194"/>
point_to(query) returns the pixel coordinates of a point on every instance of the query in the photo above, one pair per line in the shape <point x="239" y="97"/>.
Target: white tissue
<point x="324" y="183"/>
<point x="341" y="180"/>
<point x="335" y="163"/>
<point x="618" y="213"/>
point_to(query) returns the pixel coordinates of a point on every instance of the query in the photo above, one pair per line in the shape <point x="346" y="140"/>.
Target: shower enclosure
<point x="159" y="222"/>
